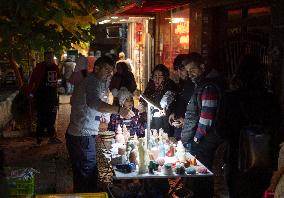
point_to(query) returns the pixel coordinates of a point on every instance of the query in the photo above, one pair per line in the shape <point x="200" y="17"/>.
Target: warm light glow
<point x="114" y="17"/>
<point x="182" y="28"/>
<point x="104" y="21"/>
<point x="177" y="20"/>
<point x="184" y="39"/>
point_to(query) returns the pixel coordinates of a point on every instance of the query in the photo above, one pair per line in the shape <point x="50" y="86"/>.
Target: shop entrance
<point x="237" y="32"/>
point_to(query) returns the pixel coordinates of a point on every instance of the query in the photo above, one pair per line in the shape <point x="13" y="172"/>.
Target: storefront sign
<point x="182" y="29"/>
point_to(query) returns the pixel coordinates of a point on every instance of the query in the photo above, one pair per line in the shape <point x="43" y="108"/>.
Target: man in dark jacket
<point x="185" y="90"/>
<point x="198" y="130"/>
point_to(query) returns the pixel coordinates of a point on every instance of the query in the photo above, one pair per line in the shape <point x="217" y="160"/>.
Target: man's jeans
<point x="82" y="152"/>
<point x="69" y="88"/>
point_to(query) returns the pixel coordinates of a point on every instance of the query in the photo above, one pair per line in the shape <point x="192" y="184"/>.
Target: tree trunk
<point x="17" y="72"/>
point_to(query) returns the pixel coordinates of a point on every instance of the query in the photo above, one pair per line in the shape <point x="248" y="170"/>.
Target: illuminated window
<point x="259" y="11"/>
<point x="173" y="34"/>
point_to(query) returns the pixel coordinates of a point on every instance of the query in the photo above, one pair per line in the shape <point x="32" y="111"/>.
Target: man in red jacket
<point x="43" y="87"/>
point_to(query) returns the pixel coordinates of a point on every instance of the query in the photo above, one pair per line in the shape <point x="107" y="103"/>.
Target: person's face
<point x="182" y="73"/>
<point x="48" y="58"/>
<point x="158" y="78"/>
<point x="128" y="103"/>
<point x="105" y="72"/>
<point x="194" y="70"/>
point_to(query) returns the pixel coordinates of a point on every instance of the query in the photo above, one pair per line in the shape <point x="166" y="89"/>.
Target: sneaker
<point x="54" y="140"/>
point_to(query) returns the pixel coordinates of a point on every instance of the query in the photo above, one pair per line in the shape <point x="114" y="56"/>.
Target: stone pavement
<point x="51" y="160"/>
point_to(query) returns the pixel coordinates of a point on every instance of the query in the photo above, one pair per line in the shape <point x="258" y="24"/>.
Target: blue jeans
<point x="69" y="88"/>
<point x="82" y="152"/>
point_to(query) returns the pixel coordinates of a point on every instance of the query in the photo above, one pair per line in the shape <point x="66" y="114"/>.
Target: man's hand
<point x="171" y="118"/>
<point x="162" y="112"/>
<point x="126" y="113"/>
<point x="178" y="123"/>
<point x="196" y="140"/>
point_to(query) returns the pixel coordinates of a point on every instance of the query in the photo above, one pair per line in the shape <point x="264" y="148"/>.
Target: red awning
<point x="150" y="7"/>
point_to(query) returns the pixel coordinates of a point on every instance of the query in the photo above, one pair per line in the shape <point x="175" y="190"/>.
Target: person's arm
<point x="104" y="107"/>
<point x="93" y="101"/>
<point x="35" y="79"/>
<point x="209" y="101"/>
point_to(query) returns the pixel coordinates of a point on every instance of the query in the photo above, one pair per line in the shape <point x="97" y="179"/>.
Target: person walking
<point x="88" y="105"/>
<point x="43" y="88"/>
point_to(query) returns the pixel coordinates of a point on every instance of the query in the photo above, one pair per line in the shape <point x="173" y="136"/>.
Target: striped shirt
<point x="209" y="101"/>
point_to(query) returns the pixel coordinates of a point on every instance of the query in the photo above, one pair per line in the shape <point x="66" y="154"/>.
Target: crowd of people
<point x="200" y="109"/>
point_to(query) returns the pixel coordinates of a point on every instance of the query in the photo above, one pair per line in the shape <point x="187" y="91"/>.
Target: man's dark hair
<point x="103" y="61"/>
<point x="48" y="53"/>
<point x="195" y="58"/>
<point x="163" y="69"/>
<point x="179" y="61"/>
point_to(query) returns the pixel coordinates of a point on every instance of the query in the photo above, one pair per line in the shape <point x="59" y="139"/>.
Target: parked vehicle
<point x="7" y="74"/>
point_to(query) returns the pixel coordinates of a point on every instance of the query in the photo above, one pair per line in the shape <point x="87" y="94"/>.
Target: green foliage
<point x="49" y="24"/>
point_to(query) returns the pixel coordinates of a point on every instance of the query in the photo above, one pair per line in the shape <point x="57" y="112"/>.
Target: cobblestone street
<point x="51" y="160"/>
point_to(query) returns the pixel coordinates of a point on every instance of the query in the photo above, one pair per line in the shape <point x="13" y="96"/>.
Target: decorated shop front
<point x="172" y="35"/>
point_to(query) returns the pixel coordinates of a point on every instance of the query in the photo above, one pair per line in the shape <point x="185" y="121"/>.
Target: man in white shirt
<point x="89" y="102"/>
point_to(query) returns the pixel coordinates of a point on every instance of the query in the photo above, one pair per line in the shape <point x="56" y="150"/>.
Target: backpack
<point x="254" y="146"/>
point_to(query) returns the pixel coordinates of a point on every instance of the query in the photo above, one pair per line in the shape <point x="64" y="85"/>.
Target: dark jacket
<point x="238" y="109"/>
<point x="261" y="108"/>
<point x="185" y="91"/>
<point x="212" y="79"/>
<point x="156" y="96"/>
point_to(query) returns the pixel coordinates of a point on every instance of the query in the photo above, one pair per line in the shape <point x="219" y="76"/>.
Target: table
<point x="136" y="175"/>
<point x="159" y="175"/>
<point x="108" y="173"/>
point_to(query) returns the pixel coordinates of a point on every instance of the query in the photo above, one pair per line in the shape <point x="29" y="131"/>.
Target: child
<point x="134" y="125"/>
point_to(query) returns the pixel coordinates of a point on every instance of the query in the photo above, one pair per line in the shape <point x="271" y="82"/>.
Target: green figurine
<point x="153" y="166"/>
